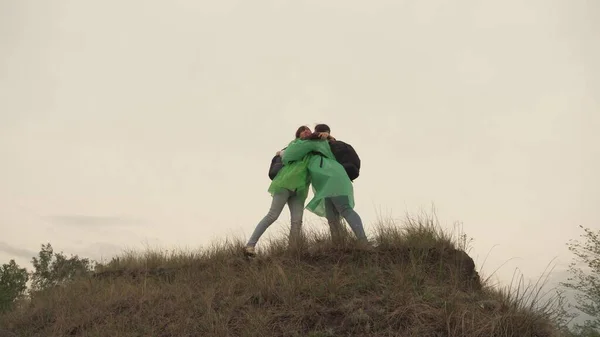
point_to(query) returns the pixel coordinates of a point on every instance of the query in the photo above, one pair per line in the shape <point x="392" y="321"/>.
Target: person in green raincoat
<point x="290" y="186"/>
<point x="333" y="190"/>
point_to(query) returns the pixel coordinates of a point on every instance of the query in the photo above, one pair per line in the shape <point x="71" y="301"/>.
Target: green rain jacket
<point x="292" y="176"/>
<point x="328" y="177"/>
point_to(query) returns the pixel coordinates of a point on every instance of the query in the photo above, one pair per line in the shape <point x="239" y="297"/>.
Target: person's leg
<point x="277" y="204"/>
<point x="296" y="206"/>
<point x="342" y="205"/>
<point x="333" y="219"/>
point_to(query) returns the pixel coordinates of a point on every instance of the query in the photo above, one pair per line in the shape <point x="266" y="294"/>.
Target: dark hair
<point x="322" y="128"/>
<point x="300" y="130"/>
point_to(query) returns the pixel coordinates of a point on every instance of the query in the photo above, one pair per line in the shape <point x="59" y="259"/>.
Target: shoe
<point x="365" y="246"/>
<point x="249" y="251"/>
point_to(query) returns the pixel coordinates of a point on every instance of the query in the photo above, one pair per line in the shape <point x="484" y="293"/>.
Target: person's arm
<point x="319" y="136"/>
<point x="297" y="150"/>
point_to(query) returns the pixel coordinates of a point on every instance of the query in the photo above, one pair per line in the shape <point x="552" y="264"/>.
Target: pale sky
<point x="133" y="123"/>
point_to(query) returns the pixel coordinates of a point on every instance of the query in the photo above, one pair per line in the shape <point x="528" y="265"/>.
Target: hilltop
<point x="417" y="281"/>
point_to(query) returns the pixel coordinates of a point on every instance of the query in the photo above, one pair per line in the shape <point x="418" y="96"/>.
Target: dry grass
<point x="418" y="281"/>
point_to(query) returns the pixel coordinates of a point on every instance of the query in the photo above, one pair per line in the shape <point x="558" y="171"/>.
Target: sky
<point x="128" y="125"/>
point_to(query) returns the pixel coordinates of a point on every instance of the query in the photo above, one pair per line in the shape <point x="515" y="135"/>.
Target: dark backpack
<point x="346" y="155"/>
<point x="276" y="165"/>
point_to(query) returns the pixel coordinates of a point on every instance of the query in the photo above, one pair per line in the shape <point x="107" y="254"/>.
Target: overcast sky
<point x="133" y="123"/>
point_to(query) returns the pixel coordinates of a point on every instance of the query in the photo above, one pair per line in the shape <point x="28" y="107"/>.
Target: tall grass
<point x="417" y="281"/>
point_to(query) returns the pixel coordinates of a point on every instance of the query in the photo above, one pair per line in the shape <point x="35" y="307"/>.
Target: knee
<point x="296" y="215"/>
<point x="345" y="209"/>
<point x="271" y="217"/>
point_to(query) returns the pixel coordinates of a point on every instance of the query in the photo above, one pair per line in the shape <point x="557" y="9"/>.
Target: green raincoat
<point x="292" y="176"/>
<point x="328" y="177"/>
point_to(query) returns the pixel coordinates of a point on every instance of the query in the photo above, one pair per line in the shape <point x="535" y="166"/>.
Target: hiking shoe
<point x="249" y="251"/>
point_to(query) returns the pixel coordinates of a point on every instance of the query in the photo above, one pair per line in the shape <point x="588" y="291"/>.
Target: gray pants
<point x="296" y="206"/>
<point x="339" y="206"/>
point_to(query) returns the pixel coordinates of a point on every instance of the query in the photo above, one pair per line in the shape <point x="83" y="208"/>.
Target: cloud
<point x="91" y="220"/>
<point x="16" y="251"/>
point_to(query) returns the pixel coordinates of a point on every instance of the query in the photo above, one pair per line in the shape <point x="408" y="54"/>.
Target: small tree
<point x="585" y="280"/>
<point x="13" y="283"/>
<point x="52" y="269"/>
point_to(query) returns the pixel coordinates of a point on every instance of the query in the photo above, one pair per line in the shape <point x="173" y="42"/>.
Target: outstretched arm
<point x="297" y="150"/>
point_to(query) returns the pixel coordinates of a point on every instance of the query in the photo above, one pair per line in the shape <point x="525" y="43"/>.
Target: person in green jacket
<point x="290" y="186"/>
<point x="333" y="190"/>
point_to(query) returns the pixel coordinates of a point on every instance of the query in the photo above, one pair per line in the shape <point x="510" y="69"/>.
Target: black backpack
<point x="346" y="155"/>
<point x="276" y="165"/>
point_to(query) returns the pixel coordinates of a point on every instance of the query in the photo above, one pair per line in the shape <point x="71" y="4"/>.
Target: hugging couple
<point x="330" y="166"/>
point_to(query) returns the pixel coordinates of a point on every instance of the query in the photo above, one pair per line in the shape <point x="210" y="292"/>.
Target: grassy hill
<point x="417" y="281"/>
